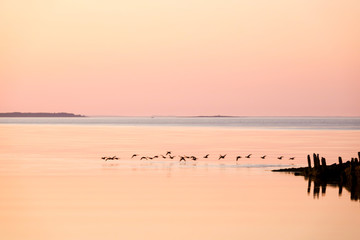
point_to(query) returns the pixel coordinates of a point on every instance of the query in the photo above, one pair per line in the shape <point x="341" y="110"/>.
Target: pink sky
<point x="189" y="57"/>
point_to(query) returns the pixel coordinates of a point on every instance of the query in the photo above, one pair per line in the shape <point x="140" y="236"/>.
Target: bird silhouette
<point x="182" y="159"/>
<point x="163" y="156"/>
<point x="280" y="157"/>
<point x="194" y="158"/>
<point x="143" y="158"/>
<point x="292" y="158"/>
<point x="248" y="156"/>
<point x="109" y="158"/>
<point x="206" y="156"/>
<point x="134" y="155"/>
<point x="156" y="156"/>
<point x="238" y="157"/>
<point x="263" y="157"/>
<point x="222" y="156"/>
<point x="103" y="158"/>
<point x="168" y="153"/>
<point x="171" y="157"/>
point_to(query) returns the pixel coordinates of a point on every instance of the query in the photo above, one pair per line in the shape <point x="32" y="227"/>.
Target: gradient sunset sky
<point x="188" y="57"/>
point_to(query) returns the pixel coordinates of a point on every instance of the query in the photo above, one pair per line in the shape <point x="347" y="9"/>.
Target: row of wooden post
<point x="317" y="164"/>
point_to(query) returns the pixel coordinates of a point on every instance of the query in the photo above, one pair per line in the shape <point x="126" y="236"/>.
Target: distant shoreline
<point x="39" y="114"/>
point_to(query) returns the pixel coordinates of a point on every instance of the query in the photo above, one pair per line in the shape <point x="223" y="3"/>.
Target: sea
<point x="55" y="185"/>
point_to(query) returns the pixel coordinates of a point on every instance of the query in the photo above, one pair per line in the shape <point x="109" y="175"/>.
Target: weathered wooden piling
<point x="323" y="163"/>
<point x="340" y="161"/>
<point x="346" y="174"/>
<point x="316" y="161"/>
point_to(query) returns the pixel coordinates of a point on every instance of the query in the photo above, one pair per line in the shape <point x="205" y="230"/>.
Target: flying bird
<point x="292" y="158"/>
<point x="206" y="156"/>
<point x="182" y="159"/>
<point x="168" y="153"/>
<point x="248" y="156"/>
<point x="134" y="155"/>
<point x="280" y="157"/>
<point x="194" y="158"/>
<point x="222" y="156"/>
<point x="263" y="157"/>
<point x="238" y="157"/>
<point x="143" y="158"/>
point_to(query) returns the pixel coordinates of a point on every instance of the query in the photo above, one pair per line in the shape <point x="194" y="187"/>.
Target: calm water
<point x="340" y="123"/>
<point x="55" y="186"/>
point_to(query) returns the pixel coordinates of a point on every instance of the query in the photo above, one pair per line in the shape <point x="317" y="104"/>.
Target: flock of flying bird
<point x="184" y="157"/>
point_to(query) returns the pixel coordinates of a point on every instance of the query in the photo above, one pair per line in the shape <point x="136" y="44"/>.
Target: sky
<point x="188" y="57"/>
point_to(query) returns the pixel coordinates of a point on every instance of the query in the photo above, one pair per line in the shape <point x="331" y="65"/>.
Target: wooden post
<point x="359" y="155"/>
<point x="340" y="161"/>
<point x="309" y="161"/>
<point x="318" y="160"/>
<point x="323" y="163"/>
<point x="314" y="159"/>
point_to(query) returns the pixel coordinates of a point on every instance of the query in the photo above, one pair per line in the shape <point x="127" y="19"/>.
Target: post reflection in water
<point x="320" y="184"/>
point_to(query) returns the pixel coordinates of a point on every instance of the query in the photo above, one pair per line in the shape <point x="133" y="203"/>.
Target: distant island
<point x="40" y="114"/>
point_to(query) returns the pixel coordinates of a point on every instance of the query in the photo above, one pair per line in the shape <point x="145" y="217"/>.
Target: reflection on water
<point x="320" y="185"/>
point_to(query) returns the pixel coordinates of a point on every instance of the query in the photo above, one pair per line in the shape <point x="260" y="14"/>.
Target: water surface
<point x="55" y="186"/>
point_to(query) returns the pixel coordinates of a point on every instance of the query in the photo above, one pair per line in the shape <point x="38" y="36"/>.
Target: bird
<point x="103" y="158"/>
<point x="163" y="156"/>
<point x="248" y="156"/>
<point x="150" y="158"/>
<point x="171" y="157"/>
<point x="237" y="158"/>
<point x="222" y="156"/>
<point x="109" y="158"/>
<point x="156" y="156"/>
<point x="168" y="153"/>
<point x="263" y="157"/>
<point x="280" y="157"/>
<point x="116" y="158"/>
<point x="194" y="158"/>
<point x="134" y="155"/>
<point x="292" y="158"/>
<point x="143" y="158"/>
<point x="182" y="159"/>
<point x="206" y="156"/>
<point x="186" y="156"/>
